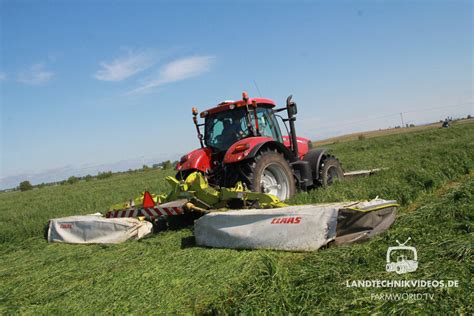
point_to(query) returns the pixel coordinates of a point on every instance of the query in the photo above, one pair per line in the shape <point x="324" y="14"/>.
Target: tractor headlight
<point x="240" y="148"/>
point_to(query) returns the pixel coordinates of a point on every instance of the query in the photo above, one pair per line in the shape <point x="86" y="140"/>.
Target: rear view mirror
<point x="291" y="106"/>
<point x="294" y="109"/>
<point x="288" y="100"/>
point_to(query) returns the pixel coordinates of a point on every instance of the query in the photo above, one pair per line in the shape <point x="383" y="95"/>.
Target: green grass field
<point x="430" y="173"/>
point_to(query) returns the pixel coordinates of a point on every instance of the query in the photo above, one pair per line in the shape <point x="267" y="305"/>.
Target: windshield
<point x="267" y="123"/>
<point x="225" y="128"/>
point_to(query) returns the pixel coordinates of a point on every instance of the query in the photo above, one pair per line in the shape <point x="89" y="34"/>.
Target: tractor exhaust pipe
<point x="292" y="111"/>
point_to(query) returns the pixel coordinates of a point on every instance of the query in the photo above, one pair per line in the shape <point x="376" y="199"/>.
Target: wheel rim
<point x="275" y="182"/>
<point x="333" y="175"/>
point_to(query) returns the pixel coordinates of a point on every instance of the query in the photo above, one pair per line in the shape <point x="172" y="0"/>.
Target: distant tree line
<point x="26" y="185"/>
<point x="165" y="165"/>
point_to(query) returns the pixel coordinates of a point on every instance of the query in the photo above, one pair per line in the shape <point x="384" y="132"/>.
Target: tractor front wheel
<point x="269" y="172"/>
<point x="330" y="171"/>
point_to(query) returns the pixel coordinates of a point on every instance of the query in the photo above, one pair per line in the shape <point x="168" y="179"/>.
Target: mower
<point x="243" y="142"/>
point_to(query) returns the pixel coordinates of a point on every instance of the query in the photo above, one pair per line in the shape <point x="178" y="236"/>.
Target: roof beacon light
<point x="245" y="96"/>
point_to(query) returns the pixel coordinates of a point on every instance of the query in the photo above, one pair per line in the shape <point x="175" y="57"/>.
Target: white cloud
<point x="124" y="67"/>
<point x="36" y="75"/>
<point x="177" y="70"/>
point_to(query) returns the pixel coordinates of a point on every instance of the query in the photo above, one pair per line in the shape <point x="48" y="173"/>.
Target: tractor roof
<point x="227" y="105"/>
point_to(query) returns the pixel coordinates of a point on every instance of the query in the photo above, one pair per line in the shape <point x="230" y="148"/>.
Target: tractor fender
<point x="253" y="145"/>
<point x="314" y="157"/>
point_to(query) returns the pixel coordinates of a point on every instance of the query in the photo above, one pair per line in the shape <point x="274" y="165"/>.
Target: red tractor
<point x="242" y="141"/>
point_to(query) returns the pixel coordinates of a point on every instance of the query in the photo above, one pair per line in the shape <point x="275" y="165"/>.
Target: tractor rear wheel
<point x="269" y="172"/>
<point x="330" y="171"/>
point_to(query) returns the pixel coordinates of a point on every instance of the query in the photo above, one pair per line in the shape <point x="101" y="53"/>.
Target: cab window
<point x="267" y="123"/>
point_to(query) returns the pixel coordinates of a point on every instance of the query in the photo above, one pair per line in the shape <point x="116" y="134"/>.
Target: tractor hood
<point x="304" y="145"/>
<point x="199" y="159"/>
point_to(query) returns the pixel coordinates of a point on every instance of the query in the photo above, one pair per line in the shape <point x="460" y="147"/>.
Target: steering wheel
<point x="243" y="132"/>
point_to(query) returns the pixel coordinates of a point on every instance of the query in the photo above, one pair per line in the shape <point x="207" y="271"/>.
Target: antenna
<point x="256" y="86"/>
<point x="400" y="244"/>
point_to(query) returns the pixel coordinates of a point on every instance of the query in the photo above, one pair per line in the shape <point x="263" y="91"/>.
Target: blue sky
<point x="107" y="85"/>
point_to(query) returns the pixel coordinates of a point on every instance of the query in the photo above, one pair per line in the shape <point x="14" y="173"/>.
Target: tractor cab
<point x="224" y="128"/>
